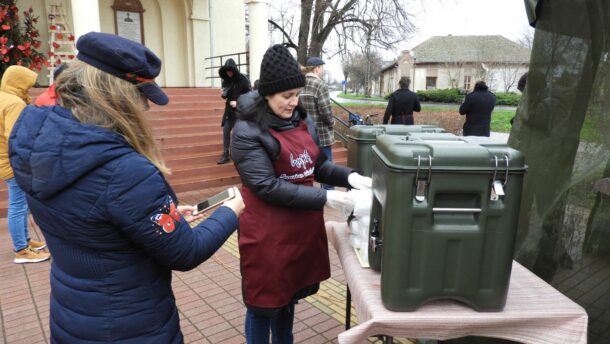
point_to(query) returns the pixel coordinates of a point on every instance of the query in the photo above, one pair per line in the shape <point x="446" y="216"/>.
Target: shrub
<point x="449" y="95"/>
<point x="510" y="98"/>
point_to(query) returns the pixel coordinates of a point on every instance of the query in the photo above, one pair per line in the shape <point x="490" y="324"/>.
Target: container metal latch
<point x="422" y="185"/>
<point x="375" y="238"/>
<point x="497" y="186"/>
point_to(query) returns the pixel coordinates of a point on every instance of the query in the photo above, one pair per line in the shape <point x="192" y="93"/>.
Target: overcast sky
<point x="456" y="17"/>
<point x="468" y="17"/>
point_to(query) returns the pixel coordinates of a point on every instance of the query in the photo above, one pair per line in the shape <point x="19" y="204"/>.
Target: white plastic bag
<point x="359" y="225"/>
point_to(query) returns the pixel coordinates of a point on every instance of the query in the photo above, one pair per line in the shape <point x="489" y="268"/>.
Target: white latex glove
<point x="233" y="103"/>
<point x="339" y="200"/>
<point x="358" y="181"/>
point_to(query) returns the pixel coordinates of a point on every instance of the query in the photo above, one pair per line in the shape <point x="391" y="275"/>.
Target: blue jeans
<point x="280" y="324"/>
<point x="17" y="215"/>
<point x="329" y="154"/>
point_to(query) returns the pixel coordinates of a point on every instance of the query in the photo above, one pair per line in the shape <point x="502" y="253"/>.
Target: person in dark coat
<point x="401" y="104"/>
<point x="234" y="84"/>
<point x="478" y="106"/>
<point x="95" y="182"/>
<point x="282" y="239"/>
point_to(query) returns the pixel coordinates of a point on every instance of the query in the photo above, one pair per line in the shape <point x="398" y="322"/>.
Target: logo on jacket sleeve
<point x="167" y="216"/>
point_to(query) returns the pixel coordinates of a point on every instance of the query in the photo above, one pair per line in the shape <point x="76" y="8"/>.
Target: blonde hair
<point x="306" y="70"/>
<point x="98" y="98"/>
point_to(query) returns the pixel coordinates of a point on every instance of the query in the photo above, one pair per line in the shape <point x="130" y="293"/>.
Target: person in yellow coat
<point x="14" y="87"/>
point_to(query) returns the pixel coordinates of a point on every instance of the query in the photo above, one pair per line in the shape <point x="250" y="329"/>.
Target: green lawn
<point x="500" y="119"/>
<point x="359" y="97"/>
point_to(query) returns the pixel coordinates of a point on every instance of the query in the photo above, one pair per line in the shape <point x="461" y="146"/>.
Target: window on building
<point x="431" y="83"/>
<point x="467" y="82"/>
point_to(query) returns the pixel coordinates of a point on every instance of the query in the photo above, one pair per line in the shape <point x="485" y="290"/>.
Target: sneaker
<point x="28" y="255"/>
<point x="36" y="245"/>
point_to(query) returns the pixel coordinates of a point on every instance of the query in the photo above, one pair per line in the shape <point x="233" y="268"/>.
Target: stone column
<point x="259" y="35"/>
<point x="85" y="16"/>
<point x="201" y="42"/>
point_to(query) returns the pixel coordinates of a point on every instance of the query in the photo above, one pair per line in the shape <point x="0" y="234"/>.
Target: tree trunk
<point x="306" y="9"/>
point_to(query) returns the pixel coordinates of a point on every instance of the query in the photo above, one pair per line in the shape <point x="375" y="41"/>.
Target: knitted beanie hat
<point x="279" y="72"/>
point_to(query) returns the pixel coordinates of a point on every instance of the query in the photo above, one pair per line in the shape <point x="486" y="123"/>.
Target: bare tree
<point x="511" y="72"/>
<point x="527" y="37"/>
<point x="455" y="73"/>
<point x="361" y="69"/>
<point x="382" y="22"/>
<point x="283" y="16"/>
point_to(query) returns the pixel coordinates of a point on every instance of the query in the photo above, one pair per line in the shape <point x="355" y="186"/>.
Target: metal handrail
<point x="213" y="68"/>
<point x="344" y="123"/>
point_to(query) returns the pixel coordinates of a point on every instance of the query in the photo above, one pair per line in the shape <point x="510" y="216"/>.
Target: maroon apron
<point x="283" y="249"/>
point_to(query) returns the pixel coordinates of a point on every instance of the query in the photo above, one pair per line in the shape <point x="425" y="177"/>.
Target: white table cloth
<point x="535" y="312"/>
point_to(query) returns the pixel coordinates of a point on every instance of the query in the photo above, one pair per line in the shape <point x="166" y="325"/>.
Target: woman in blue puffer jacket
<point x="95" y="183"/>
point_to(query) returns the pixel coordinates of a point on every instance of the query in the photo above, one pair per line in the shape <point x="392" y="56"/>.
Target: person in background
<point x="315" y="100"/>
<point x="96" y="184"/>
<point x="401" y="104"/>
<point x="282" y="239"/>
<point x="254" y="86"/>
<point x="478" y="106"/>
<point x="14" y="87"/>
<point x="48" y="97"/>
<point x="234" y="84"/>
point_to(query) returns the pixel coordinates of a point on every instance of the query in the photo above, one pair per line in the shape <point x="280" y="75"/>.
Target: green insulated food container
<point x="362" y="137"/>
<point x="444" y="219"/>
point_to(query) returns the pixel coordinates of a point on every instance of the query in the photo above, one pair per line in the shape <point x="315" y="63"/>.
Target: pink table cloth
<point x="535" y="312"/>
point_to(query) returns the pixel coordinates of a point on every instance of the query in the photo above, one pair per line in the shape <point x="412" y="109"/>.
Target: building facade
<point x="458" y="62"/>
<point x="185" y="34"/>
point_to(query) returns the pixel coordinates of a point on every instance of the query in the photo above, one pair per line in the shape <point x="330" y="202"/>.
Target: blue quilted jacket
<point x="110" y="223"/>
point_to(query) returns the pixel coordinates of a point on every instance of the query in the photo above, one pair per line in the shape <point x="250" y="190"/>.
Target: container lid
<point x="451" y="154"/>
<point x="370" y="132"/>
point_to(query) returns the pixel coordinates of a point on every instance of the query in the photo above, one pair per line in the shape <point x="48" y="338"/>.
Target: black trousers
<point x="226" y="133"/>
<point x="403" y="119"/>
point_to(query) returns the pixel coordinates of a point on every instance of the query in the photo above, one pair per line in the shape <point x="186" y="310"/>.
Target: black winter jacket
<point x="254" y="149"/>
<point x="402" y="102"/>
<point x="477" y="107"/>
<point x="233" y="87"/>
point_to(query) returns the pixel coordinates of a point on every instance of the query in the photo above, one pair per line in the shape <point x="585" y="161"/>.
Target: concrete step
<point x="204" y="182"/>
<point x="177" y="114"/>
<point x="174" y="91"/>
<point x="192" y="160"/>
<point x="204" y="105"/>
<point x="184" y="121"/>
<point x="186" y="129"/>
<point x="183" y="150"/>
<point x="196" y="98"/>
<point x="202" y="170"/>
<point x="198" y="138"/>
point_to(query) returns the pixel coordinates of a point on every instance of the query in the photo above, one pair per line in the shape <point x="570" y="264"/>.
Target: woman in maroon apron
<point x="282" y="240"/>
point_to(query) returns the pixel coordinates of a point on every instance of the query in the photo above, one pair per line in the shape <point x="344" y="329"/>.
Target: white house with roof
<point x="458" y="62"/>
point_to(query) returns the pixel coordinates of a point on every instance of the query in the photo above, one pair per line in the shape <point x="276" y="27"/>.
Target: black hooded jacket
<point x="254" y="149"/>
<point x="236" y="85"/>
<point x="477" y="107"/>
<point x="233" y="87"/>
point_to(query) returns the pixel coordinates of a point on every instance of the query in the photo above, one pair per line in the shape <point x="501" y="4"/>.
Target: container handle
<point x="457" y="210"/>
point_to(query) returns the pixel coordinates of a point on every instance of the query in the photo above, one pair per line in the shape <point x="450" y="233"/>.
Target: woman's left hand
<point x="187" y="211"/>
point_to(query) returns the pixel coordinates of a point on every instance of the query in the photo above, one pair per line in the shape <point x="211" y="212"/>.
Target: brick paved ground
<point x="208" y="297"/>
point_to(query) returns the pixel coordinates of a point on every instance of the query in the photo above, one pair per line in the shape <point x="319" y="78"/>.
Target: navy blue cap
<point x="314" y="61"/>
<point x="125" y="59"/>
